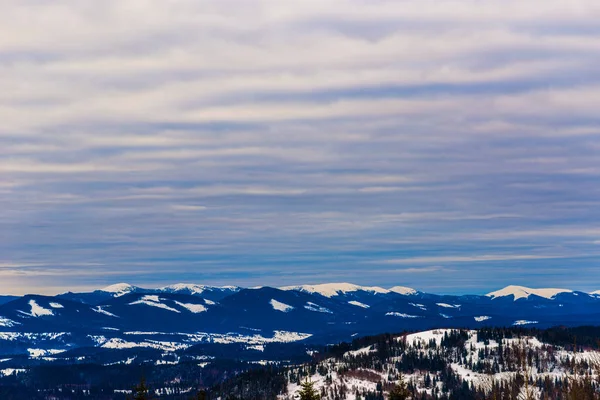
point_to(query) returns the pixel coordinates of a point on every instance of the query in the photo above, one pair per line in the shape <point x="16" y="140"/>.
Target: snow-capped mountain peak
<point x="119" y="289"/>
<point x="184" y="287"/>
<point x="403" y="290"/>
<point x="335" y="289"/>
<point x="521" y="292"/>
<point x="195" y="289"/>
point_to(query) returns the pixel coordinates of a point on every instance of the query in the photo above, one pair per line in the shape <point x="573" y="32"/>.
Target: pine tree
<point x="140" y="392"/>
<point x="400" y="391"/>
<point x="308" y="391"/>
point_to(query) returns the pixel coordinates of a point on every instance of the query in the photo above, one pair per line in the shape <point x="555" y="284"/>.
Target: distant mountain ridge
<point x="336" y="289"/>
<point x="324" y="289"/>
<point x="121" y="289"/>
<point x="181" y="316"/>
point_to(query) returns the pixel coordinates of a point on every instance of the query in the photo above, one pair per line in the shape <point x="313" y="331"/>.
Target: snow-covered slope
<point x="521" y="292"/>
<point x="37" y="310"/>
<point x="480" y="364"/>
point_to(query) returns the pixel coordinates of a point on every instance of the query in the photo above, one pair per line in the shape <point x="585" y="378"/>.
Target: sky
<point x="449" y="146"/>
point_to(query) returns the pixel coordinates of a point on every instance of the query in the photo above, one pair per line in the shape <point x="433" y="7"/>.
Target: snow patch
<point x="56" y="305"/>
<point x="153" y="301"/>
<point x="524" y="322"/>
<point x="37" y="310"/>
<point x="195" y="308"/>
<point x="317" y="308"/>
<point x="427" y="336"/>
<point x="287" y="337"/>
<point x="101" y="310"/>
<point x="358" y="304"/>
<point x="482" y="318"/>
<point x="165" y="362"/>
<point x="444" y="305"/>
<point x="355" y="353"/>
<point x="278" y="337"/>
<point x="38" y="353"/>
<point x="116" y="343"/>
<point x="402" y="315"/>
<point x="279" y="306"/>
<point x="10" y="371"/>
<point x="185" y="340"/>
<point x="8" y="323"/>
<point x="14" y="336"/>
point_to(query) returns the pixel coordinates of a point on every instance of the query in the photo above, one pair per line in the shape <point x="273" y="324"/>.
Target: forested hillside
<point x="489" y="363"/>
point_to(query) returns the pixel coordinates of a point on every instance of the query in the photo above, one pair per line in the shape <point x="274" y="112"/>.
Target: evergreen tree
<point x="140" y="392"/>
<point x="400" y="391"/>
<point x="308" y="391"/>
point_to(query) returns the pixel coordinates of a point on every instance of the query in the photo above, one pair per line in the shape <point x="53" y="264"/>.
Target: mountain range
<point x="187" y="317"/>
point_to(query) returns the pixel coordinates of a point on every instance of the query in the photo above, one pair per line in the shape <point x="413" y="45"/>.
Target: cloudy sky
<point x="450" y="146"/>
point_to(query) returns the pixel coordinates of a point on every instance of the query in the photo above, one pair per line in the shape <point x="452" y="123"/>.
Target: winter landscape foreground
<point x="265" y="342"/>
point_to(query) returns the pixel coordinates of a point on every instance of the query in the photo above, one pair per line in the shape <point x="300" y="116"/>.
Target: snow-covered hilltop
<point x="194" y="289"/>
<point x="403" y="290"/>
<point x="337" y="289"/>
<point x="119" y="289"/>
<point x="522" y="292"/>
<point x="122" y="289"/>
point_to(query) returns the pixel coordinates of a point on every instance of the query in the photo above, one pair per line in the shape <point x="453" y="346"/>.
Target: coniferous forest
<point x="490" y="363"/>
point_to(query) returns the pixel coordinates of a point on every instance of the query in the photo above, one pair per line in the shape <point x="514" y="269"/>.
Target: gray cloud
<point x="274" y="143"/>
